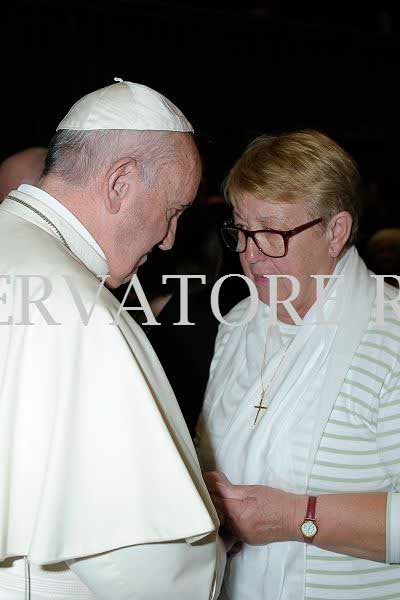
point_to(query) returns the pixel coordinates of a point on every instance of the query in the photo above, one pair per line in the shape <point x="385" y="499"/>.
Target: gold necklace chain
<point x="42" y="216"/>
<point x="264" y="391"/>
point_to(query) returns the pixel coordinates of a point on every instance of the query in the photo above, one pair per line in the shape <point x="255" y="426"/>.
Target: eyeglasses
<point x="271" y="242"/>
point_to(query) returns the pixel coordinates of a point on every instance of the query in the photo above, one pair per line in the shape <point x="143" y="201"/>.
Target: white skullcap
<point x="125" y="105"/>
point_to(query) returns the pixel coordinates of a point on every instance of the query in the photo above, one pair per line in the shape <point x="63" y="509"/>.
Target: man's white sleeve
<point x="165" y="571"/>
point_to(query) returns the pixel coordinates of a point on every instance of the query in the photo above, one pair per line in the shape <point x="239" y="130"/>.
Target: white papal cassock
<point x="95" y="454"/>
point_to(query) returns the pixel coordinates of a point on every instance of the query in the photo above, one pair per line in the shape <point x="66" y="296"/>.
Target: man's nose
<point x="169" y="239"/>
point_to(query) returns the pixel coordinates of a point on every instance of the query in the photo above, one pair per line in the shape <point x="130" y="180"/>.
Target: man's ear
<point x="121" y="178"/>
<point x="339" y="230"/>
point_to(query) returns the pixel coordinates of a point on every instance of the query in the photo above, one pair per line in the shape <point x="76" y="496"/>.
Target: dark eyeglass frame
<point x="286" y="235"/>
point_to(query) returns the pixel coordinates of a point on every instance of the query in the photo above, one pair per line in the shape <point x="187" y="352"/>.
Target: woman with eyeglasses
<point x="300" y="426"/>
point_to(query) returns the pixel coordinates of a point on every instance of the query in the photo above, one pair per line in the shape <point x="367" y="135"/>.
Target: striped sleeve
<point x="388" y="440"/>
<point x="393" y="529"/>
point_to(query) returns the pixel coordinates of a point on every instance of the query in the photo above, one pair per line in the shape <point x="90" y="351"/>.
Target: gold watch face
<point x="309" y="529"/>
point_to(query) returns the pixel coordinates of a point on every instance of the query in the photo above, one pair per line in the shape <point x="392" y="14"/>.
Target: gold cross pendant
<point x="260" y="408"/>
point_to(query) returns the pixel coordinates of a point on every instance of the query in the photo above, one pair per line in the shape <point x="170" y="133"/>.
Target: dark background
<point x="236" y="70"/>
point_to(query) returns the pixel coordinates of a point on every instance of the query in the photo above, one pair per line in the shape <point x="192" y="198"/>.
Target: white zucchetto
<point x="125" y="105"/>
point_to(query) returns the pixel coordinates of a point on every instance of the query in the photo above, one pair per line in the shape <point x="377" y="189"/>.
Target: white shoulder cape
<point x="95" y="453"/>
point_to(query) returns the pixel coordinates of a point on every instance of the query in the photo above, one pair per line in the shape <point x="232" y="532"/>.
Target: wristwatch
<point x="309" y="527"/>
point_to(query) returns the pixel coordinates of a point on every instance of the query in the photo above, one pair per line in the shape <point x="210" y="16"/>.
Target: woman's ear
<point x="339" y="230"/>
<point x="121" y="178"/>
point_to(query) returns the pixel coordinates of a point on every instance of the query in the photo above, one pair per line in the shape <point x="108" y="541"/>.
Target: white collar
<point x="80" y="243"/>
<point x="61" y="210"/>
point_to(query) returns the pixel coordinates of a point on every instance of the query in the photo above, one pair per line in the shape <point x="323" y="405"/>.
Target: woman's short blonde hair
<point x="301" y="166"/>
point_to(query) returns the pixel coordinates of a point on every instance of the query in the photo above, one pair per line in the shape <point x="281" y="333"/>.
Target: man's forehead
<point x="184" y="189"/>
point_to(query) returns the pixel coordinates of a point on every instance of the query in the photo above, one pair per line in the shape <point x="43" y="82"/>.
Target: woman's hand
<point x="256" y="514"/>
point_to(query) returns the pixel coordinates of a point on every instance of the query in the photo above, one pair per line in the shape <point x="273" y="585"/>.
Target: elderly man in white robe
<point x="301" y="419"/>
<point x="101" y="494"/>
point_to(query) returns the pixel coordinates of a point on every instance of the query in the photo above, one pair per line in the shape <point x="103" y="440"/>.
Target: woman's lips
<point x="260" y="279"/>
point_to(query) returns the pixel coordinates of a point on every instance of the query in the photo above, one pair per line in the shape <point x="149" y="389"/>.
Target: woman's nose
<point x="252" y="252"/>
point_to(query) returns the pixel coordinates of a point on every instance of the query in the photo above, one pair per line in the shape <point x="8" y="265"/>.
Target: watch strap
<point x="311" y="506"/>
<point x="310" y="518"/>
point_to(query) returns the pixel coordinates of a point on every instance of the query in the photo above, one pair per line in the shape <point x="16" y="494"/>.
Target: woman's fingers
<point x="212" y="478"/>
<point x="219" y="508"/>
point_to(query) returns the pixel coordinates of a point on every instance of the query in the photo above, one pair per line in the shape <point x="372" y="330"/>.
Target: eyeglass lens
<point x="271" y="244"/>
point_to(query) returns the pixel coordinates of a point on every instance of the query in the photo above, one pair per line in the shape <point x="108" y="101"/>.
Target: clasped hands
<point x="254" y="514"/>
